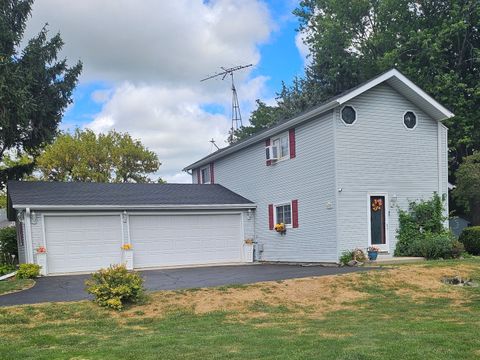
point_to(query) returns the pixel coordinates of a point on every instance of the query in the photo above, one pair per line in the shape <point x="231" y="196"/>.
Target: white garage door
<point x="162" y="240"/>
<point x="82" y="243"/>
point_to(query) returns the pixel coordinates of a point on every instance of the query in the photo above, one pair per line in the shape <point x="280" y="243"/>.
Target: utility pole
<point x="236" y="115"/>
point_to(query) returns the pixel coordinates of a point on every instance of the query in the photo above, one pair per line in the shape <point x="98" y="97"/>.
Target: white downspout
<point x="28" y="237"/>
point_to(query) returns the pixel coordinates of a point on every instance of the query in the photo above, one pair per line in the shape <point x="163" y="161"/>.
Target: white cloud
<point x="154" y="53"/>
<point x="151" y="40"/>
<point x="302" y="47"/>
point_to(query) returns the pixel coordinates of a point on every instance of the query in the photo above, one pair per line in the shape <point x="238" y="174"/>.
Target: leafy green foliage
<point x="421" y="231"/>
<point x="470" y="238"/>
<point x="85" y="156"/>
<point x="115" y="287"/>
<point x="434" y="43"/>
<point x="8" y="245"/>
<point x="6" y="269"/>
<point x="35" y="88"/>
<point x="28" y="271"/>
<point x="467" y="190"/>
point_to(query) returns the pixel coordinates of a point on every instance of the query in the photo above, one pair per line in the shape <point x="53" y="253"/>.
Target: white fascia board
<point x="136" y="207"/>
<point x="265" y="135"/>
<point x="395" y="73"/>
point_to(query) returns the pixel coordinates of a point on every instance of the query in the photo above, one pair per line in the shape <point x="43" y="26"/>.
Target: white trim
<point x="356" y="115"/>
<point x="439" y="160"/>
<point x="28" y="237"/>
<point x="336" y="192"/>
<point x="386" y="246"/>
<point x="416" y="120"/>
<point x="397" y="74"/>
<point x="288" y="226"/>
<point x="186" y="213"/>
<point x="136" y="207"/>
<point x="206" y="167"/>
<point x="279" y="148"/>
<point x="44" y="234"/>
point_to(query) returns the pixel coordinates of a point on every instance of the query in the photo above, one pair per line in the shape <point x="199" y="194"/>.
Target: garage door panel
<point x="82" y="243"/>
<point x="162" y="240"/>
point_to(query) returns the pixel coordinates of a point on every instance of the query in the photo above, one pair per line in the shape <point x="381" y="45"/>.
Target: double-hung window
<point x="283" y="214"/>
<point x="282" y="144"/>
<point x="205" y="175"/>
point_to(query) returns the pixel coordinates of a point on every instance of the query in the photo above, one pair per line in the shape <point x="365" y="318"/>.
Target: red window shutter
<point x="291" y="138"/>
<point x="212" y="174"/>
<point x="267" y="144"/>
<point x="270" y="217"/>
<point x="295" y="213"/>
<point x="198" y="176"/>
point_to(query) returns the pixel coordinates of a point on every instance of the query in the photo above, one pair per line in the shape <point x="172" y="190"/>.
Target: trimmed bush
<point x="115" y="287"/>
<point x="8" y="245"/>
<point x="470" y="238"/>
<point x="28" y="271"/>
<point x="435" y="246"/>
<point x="457" y="249"/>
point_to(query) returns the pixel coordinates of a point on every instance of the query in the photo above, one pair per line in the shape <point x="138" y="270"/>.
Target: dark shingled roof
<point x="124" y="194"/>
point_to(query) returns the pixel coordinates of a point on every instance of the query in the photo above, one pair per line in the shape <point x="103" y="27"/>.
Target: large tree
<point x="86" y="156"/>
<point x="435" y="43"/>
<point x="35" y="89"/>
<point x="467" y="191"/>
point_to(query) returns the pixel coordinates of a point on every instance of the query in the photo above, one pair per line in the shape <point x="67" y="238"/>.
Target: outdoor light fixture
<point x="249" y="214"/>
<point x="393" y="201"/>
<point x="34" y="217"/>
<point x="124" y="216"/>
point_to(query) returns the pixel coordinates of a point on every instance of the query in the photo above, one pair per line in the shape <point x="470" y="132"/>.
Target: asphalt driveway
<point x="72" y="288"/>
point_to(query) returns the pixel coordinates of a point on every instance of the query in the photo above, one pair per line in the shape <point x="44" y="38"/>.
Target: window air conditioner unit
<point x="271" y="152"/>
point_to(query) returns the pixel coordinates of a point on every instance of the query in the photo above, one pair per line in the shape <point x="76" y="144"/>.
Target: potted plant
<point x="373" y="252"/>
<point x="280" y="228"/>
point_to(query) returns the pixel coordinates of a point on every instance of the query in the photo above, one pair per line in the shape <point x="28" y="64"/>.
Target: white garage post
<point x="127" y="250"/>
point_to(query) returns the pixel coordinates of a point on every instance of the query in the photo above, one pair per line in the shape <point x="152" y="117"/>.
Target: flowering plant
<point x="373" y="248"/>
<point x="41" y="250"/>
<point x="280" y="228"/>
<point x="249" y="241"/>
<point x="127" y="247"/>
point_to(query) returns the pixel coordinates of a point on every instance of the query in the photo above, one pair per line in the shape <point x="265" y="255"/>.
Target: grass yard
<point x="13" y="284"/>
<point x="402" y="313"/>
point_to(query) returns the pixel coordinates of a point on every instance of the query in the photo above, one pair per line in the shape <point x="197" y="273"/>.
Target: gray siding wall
<point x="309" y="178"/>
<point x="378" y="154"/>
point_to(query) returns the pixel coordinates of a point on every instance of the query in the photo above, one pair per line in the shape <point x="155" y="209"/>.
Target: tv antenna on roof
<point x="236" y="115"/>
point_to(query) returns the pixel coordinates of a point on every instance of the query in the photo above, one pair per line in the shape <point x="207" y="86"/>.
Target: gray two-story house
<point x="334" y="176"/>
<point x="337" y="174"/>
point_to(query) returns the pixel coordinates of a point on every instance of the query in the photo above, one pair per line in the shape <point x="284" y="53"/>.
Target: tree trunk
<point x="475" y="211"/>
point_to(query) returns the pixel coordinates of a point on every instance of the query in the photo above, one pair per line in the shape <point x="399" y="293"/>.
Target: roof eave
<point x="266" y="134"/>
<point x="137" y="207"/>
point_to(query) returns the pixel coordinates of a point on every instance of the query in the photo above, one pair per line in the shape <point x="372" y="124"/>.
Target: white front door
<point x="378" y="220"/>
<point x="167" y="240"/>
<point x="82" y="243"/>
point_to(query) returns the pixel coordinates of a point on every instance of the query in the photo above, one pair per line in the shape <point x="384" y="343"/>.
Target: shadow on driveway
<point x="72" y="288"/>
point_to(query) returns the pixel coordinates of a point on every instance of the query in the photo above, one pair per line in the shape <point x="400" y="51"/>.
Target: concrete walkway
<point x="72" y="288"/>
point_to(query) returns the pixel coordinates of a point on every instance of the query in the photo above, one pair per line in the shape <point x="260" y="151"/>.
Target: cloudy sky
<point x="143" y="61"/>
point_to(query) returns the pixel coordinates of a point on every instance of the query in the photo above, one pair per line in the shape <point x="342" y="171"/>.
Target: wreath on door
<point x="377" y="204"/>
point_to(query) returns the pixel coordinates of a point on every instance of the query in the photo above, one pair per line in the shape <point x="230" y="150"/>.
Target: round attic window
<point x="410" y="120"/>
<point x="349" y="115"/>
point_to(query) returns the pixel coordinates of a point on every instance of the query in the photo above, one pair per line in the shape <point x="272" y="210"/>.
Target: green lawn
<point x="14" y="284"/>
<point x="404" y="313"/>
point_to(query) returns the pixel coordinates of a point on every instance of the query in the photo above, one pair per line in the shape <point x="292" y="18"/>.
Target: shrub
<point x="6" y="269"/>
<point x="8" y="245"/>
<point x="115" y="287"/>
<point x="470" y="238"/>
<point x="349" y="255"/>
<point x="422" y="219"/>
<point x="28" y="271"/>
<point x="436" y="246"/>
<point x="457" y="249"/>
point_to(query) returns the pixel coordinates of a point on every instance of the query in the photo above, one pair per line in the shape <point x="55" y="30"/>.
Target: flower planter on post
<point x="41" y="259"/>
<point x="127" y="256"/>
<point x="248" y="250"/>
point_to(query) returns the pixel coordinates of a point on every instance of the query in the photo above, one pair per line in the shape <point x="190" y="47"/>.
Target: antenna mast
<point x="236" y="115"/>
